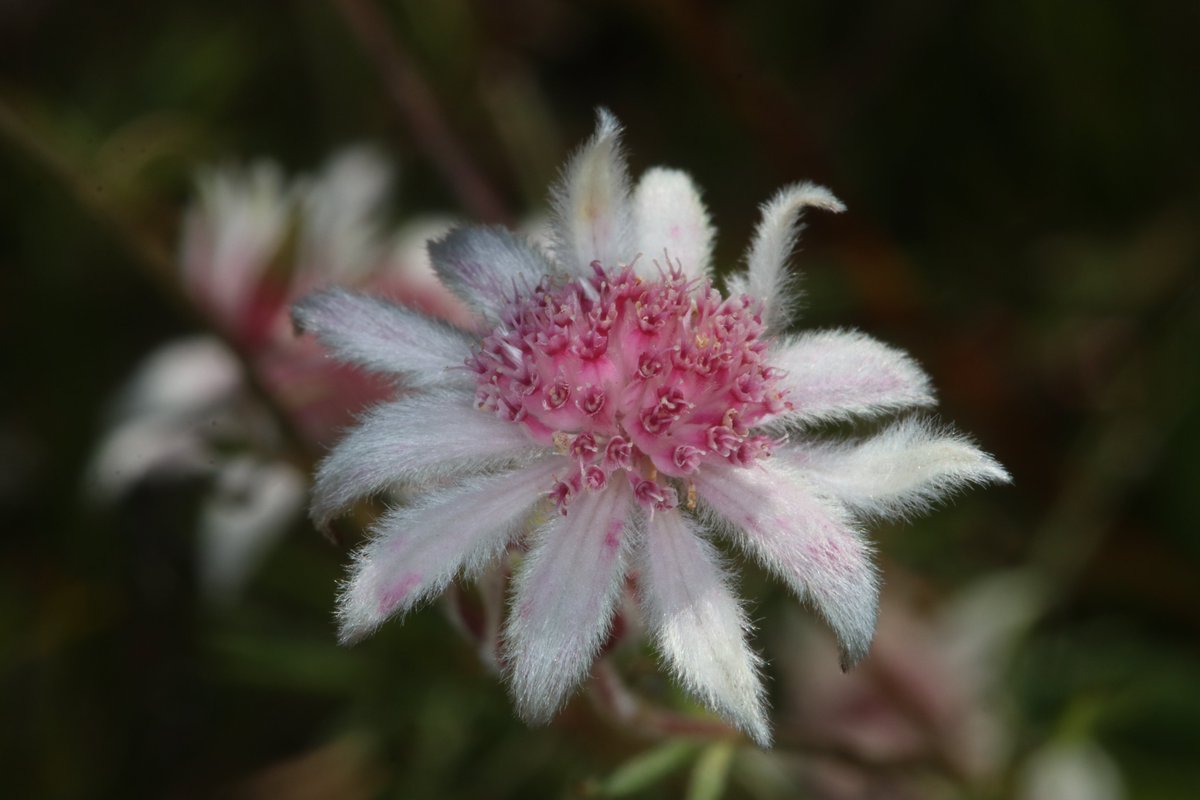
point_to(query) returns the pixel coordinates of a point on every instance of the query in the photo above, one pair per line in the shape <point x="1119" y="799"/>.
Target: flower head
<point x="636" y="379"/>
<point x="620" y="399"/>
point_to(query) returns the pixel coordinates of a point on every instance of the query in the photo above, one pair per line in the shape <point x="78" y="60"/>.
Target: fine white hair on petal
<point x="670" y="216"/>
<point x="899" y="472"/>
<point x="698" y="623"/>
<point x="373" y="333"/>
<point x="836" y="375"/>
<point x="416" y="551"/>
<point x="564" y="600"/>
<point x="806" y="540"/>
<point x="592" y="210"/>
<point x="486" y="266"/>
<point x="409" y="440"/>
<point x="767" y="275"/>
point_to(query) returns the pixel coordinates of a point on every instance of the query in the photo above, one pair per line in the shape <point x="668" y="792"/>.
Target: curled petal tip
<point x="853" y="653"/>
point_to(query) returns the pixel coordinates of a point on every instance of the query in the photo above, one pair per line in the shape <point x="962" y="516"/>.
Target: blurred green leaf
<point x="286" y="664"/>
<point x="710" y="775"/>
<point x="647" y="769"/>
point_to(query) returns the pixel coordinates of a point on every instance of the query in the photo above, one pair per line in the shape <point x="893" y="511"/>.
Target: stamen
<point x="656" y="377"/>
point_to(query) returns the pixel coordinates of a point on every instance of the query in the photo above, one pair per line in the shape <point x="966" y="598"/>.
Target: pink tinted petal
<point x="487" y="266"/>
<point x="564" y="600"/>
<point x="767" y="277"/>
<point x="670" y="216"/>
<point x="373" y="333"/>
<point x="411" y="440"/>
<point x="417" y="551"/>
<point x="699" y="625"/>
<point x="593" y="219"/>
<point x="805" y="541"/>
<point x="900" y="471"/>
<point x="830" y="375"/>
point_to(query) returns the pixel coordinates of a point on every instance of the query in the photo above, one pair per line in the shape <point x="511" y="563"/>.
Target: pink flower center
<point x="654" y="379"/>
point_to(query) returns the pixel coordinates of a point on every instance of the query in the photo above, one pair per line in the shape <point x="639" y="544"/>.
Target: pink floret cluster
<point x="653" y="378"/>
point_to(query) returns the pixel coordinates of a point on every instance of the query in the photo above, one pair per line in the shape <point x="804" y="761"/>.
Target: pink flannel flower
<point x="622" y="404"/>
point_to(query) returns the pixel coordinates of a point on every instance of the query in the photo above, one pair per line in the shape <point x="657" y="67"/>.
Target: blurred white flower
<point x="252" y="241"/>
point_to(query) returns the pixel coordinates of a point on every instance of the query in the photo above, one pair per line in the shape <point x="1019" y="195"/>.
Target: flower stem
<point x="420" y="110"/>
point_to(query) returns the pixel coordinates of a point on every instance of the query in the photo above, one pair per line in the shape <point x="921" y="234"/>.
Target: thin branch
<point x="420" y="110"/>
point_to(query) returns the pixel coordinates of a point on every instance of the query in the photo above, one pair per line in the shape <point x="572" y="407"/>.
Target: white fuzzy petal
<point x="416" y="551"/>
<point x="699" y="625"/>
<point x="808" y="542"/>
<point x="832" y="375"/>
<point x="252" y="505"/>
<point x="231" y="233"/>
<point x="180" y="398"/>
<point x="900" y="471"/>
<point x="564" y="600"/>
<point x="669" y="215"/>
<point x="593" y="219"/>
<point x="381" y="336"/>
<point x="487" y="266"/>
<point x="767" y="275"/>
<point x="143" y="447"/>
<point x="410" y="440"/>
<point x="182" y="380"/>
<point x="342" y="221"/>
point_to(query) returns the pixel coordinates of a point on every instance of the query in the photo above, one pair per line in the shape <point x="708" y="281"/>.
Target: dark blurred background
<point x="1023" y="189"/>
